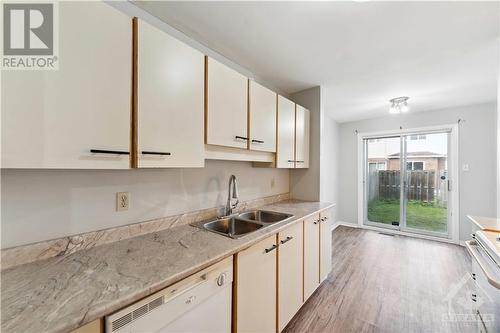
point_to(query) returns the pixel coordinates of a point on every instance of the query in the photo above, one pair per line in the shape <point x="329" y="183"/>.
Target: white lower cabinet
<point x="311" y="255"/>
<point x="325" y="244"/>
<point x="290" y="273"/>
<point x="256" y="287"/>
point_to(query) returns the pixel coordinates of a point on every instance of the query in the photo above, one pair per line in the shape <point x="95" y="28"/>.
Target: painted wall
<point x="329" y="160"/>
<point x="477" y="148"/>
<point x="44" y="204"/>
<point x="320" y="181"/>
<point x="305" y="183"/>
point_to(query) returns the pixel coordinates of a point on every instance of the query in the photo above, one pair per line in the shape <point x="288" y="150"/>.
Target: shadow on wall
<point x="56" y="203"/>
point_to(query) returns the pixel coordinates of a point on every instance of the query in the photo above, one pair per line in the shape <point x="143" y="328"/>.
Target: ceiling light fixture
<point x="399" y="105"/>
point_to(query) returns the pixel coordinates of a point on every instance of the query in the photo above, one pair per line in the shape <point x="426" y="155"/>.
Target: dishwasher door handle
<point x="471" y="246"/>
<point x="176" y="293"/>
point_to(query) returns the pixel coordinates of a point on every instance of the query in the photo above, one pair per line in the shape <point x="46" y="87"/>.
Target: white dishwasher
<point x="199" y="303"/>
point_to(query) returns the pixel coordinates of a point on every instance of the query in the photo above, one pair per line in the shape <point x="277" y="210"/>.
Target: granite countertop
<point x="63" y="293"/>
<point x="486" y="223"/>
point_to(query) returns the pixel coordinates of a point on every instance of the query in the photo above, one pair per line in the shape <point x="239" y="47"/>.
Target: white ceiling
<point x="441" y="54"/>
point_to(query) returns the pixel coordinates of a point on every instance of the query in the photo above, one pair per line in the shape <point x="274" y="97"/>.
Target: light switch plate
<point x="122" y="201"/>
<point x="465" y="167"/>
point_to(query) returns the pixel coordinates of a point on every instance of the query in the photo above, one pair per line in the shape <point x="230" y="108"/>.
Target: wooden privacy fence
<point x="421" y="185"/>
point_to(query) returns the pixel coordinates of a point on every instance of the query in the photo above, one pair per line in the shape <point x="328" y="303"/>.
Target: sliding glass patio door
<point x="406" y="182"/>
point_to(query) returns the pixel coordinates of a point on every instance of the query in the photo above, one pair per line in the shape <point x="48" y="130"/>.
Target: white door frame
<point x="453" y="177"/>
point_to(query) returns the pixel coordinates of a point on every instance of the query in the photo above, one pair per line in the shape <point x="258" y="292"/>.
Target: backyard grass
<point x="419" y="215"/>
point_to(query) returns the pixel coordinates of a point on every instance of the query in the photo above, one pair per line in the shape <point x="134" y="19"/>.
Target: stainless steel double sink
<point x="239" y="225"/>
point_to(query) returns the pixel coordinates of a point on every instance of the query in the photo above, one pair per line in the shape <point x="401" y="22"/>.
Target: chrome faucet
<point x="232" y="193"/>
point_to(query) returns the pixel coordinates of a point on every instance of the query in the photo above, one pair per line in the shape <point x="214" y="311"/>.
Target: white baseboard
<point x="343" y="223"/>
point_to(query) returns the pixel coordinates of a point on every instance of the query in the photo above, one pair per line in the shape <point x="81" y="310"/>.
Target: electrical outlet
<point x="465" y="167"/>
<point x="122" y="201"/>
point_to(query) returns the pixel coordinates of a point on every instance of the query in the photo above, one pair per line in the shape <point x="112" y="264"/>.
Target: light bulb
<point x="405" y="108"/>
<point x="393" y="109"/>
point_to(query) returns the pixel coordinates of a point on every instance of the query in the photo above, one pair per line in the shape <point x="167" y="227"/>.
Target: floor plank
<point x="382" y="283"/>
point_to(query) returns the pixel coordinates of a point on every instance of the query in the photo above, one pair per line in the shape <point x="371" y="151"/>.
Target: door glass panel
<point x="426" y="192"/>
<point x="383" y="174"/>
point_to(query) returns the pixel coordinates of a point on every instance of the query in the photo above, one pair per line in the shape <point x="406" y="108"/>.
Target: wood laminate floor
<point x="382" y="283"/>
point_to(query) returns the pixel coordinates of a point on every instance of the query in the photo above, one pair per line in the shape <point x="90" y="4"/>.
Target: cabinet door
<point x="53" y="118"/>
<point x="95" y="326"/>
<point x="286" y="133"/>
<point x="325" y="244"/>
<point x="256" y="287"/>
<point x="170" y="101"/>
<point x="311" y="255"/>
<point x="290" y="273"/>
<point x="262" y="115"/>
<point x="226" y="113"/>
<point x="302" y="116"/>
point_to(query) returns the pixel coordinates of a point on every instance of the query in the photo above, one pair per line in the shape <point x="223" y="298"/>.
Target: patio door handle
<point x="450" y="187"/>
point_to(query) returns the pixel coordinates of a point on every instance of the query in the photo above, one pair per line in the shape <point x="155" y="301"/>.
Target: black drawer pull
<point x="271" y="248"/>
<point x="257" y="141"/>
<point x="299" y="161"/>
<point x="291" y="161"/>
<point x="114" y="152"/>
<point x="241" y="138"/>
<point x="289" y="238"/>
<point x="155" y="153"/>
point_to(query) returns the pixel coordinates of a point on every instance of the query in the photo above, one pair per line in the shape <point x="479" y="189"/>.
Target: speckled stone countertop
<point x="486" y="223"/>
<point x="62" y="293"/>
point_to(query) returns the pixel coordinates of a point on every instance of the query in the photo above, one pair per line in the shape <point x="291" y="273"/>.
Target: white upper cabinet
<point x="262" y="115"/>
<point x="53" y="118"/>
<point x="286" y="133"/>
<point x="170" y="101"/>
<point x="302" y="120"/>
<point x="226" y="114"/>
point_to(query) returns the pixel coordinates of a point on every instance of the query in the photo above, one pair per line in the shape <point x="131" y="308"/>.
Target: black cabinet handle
<point x="291" y="161"/>
<point x="316" y="222"/>
<point x="241" y="138"/>
<point x="271" y="248"/>
<point x="257" y="141"/>
<point x="155" y="153"/>
<point x="299" y="161"/>
<point x="289" y="238"/>
<point x="113" y="152"/>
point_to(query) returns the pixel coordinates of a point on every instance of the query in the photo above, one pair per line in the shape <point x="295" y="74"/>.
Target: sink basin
<point x="264" y="216"/>
<point x="232" y="227"/>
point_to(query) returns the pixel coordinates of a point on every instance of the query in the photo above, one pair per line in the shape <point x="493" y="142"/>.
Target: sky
<point x="436" y="143"/>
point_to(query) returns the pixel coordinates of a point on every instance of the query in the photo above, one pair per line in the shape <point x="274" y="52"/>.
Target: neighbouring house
<point x="422" y="160"/>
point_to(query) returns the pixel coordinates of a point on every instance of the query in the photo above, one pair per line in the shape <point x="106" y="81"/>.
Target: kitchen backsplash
<point x="40" y="205"/>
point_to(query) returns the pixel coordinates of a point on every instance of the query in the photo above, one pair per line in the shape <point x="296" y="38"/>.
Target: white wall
<point x="44" y="204"/>
<point x="477" y="147"/>
<point x="329" y="160"/>
<point x="320" y="181"/>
